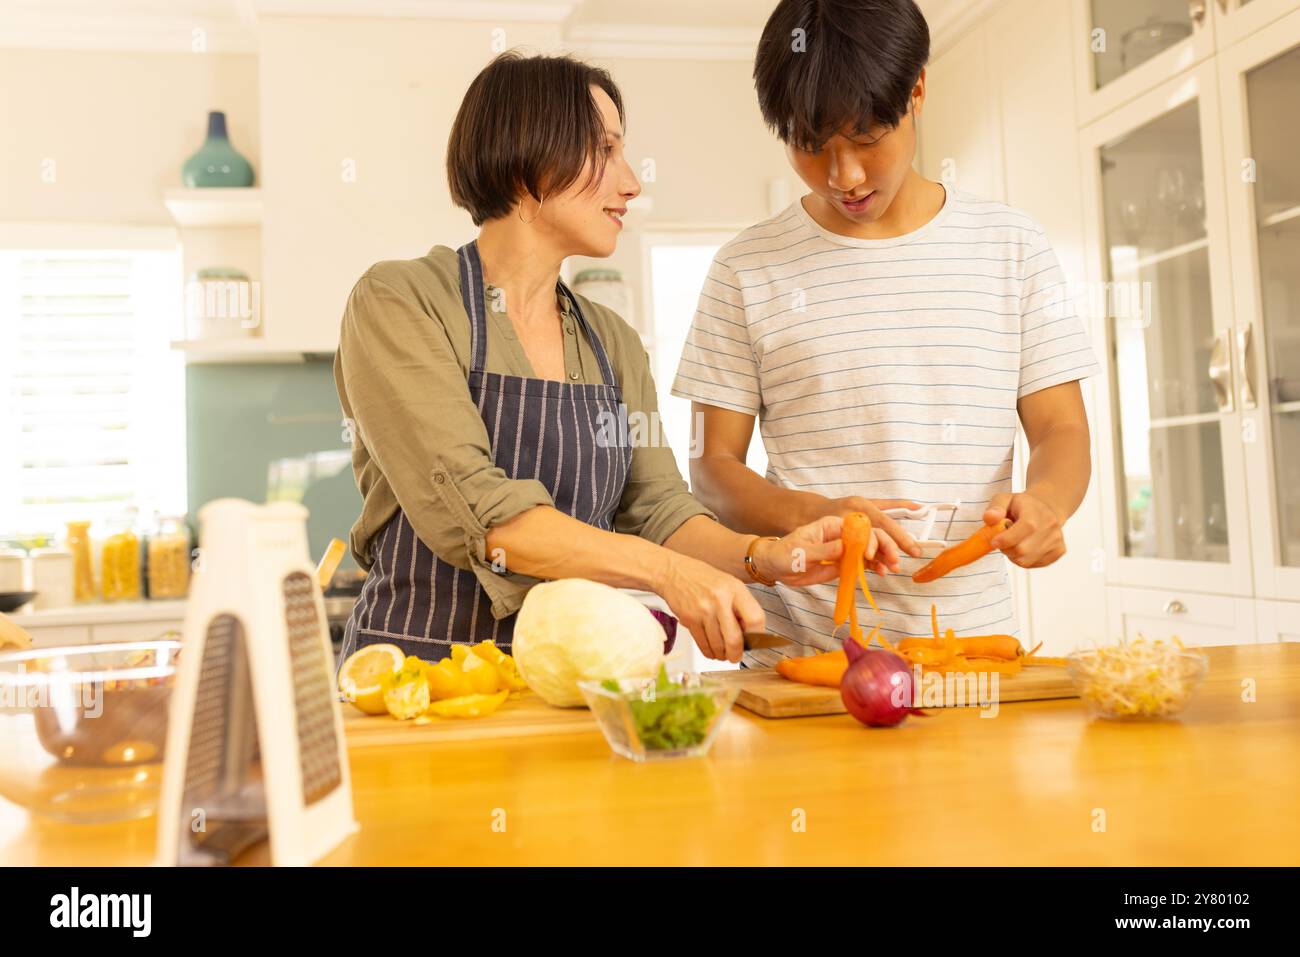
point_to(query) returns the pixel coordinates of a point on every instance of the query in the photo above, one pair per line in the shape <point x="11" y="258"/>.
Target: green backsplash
<point x="271" y="431"/>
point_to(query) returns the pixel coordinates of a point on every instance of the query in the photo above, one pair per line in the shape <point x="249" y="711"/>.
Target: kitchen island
<point x="1038" y="784"/>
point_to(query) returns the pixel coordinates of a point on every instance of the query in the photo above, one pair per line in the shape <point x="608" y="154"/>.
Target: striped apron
<point x="540" y="429"/>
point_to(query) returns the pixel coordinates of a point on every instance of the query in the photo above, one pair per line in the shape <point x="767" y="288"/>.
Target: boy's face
<point x="858" y="175"/>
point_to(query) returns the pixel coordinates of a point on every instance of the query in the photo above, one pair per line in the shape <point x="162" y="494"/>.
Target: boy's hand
<point x="874" y="509"/>
<point x="1037" y="535"/>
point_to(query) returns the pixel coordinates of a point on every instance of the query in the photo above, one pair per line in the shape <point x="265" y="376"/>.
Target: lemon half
<point x="364" y="675"/>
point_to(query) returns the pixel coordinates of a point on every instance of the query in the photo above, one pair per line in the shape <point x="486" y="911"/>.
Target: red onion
<point x="877" y="688"/>
<point x="669" y="625"/>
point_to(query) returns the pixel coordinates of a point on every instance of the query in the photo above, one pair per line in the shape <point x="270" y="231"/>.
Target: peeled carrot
<point x="856" y="536"/>
<point x="975" y="664"/>
<point x="1003" y="647"/>
<point x="991" y="646"/>
<point x="963" y="553"/>
<point x="826" y="669"/>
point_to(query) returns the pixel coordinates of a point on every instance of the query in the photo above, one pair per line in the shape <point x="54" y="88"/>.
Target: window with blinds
<point x="92" y="396"/>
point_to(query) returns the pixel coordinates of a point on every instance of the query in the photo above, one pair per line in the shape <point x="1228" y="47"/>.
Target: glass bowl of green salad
<point x="646" y="719"/>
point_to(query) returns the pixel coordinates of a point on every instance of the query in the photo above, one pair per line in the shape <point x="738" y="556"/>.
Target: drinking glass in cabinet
<point x="1168" y="379"/>
<point x="1272" y="91"/>
<point x="1134" y="31"/>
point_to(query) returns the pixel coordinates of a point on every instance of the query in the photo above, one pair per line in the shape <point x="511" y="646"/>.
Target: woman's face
<point x="585" y="219"/>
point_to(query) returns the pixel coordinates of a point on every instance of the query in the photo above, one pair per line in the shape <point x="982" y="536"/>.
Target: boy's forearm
<point x="1060" y="467"/>
<point x="747" y="502"/>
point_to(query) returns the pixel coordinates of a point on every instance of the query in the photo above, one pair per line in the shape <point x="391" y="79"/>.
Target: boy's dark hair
<point x="824" y="65"/>
<point x="526" y="125"/>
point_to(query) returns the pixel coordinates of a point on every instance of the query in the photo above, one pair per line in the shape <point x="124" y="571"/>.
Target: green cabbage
<point x="575" y="630"/>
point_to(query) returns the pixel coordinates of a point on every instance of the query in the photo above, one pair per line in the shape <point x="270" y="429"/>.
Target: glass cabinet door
<point x="1272" y="94"/>
<point x="1134" y="32"/>
<point x="1171" y="373"/>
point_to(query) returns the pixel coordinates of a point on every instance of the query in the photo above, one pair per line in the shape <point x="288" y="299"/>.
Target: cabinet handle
<point x="1220" y="370"/>
<point x="1197" y="10"/>
<point x="1246" y="352"/>
<point x="1175" y="607"/>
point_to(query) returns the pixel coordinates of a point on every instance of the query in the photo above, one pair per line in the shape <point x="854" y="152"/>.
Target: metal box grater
<point x="255" y="746"/>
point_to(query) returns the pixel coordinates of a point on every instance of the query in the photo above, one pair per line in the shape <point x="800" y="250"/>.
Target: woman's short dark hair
<point x="824" y="65"/>
<point x="526" y="126"/>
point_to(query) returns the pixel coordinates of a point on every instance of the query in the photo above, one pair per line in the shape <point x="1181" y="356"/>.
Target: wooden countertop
<point x="1030" y="786"/>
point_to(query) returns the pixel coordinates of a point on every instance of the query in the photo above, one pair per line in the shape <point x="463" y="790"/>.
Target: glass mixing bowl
<point x="83" y="728"/>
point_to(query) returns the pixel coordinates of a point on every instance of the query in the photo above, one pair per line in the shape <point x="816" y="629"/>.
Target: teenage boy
<point x="887" y="332"/>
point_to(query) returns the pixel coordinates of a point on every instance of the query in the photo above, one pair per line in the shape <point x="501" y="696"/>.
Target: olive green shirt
<point x="418" y="441"/>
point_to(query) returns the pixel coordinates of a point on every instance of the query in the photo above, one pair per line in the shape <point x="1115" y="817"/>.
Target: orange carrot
<point x="1003" y="647"/>
<point x="991" y="646"/>
<point x="963" y="553"/>
<point x="866" y="590"/>
<point x="826" y="669"/>
<point x="856" y="536"/>
<point x="978" y="664"/>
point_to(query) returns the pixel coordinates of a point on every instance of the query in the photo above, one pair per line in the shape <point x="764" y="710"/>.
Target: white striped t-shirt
<point x="888" y="368"/>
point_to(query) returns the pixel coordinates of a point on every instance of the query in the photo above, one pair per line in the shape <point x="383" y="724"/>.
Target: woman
<point x="480" y="389"/>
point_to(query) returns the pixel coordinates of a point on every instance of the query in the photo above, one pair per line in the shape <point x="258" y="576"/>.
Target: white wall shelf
<point x="252" y="349"/>
<point x="229" y="206"/>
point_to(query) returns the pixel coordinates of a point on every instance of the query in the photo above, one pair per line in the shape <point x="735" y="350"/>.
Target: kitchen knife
<point x="764" y="639"/>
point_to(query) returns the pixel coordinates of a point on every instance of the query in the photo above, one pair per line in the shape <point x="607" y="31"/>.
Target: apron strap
<point x="471" y="294"/>
<point x="602" y="359"/>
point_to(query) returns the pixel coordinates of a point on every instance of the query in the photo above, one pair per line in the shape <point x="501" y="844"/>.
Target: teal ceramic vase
<point x="216" y="163"/>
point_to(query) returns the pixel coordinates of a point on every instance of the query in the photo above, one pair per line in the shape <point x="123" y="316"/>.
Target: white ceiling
<point x="711" y="28"/>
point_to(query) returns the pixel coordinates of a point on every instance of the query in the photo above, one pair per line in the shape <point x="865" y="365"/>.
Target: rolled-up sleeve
<point x="656" y="501"/>
<point x="406" y="393"/>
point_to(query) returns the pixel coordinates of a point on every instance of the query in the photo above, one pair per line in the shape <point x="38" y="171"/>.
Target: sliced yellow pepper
<point x="469" y="706"/>
<point x="447" y="680"/>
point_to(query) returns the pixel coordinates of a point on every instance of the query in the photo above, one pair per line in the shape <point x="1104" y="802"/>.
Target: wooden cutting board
<point x="517" y="717"/>
<point x="768" y="695"/>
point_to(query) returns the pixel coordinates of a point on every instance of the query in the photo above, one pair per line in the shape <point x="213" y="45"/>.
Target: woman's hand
<point x="810" y="555"/>
<point x="714" y="606"/>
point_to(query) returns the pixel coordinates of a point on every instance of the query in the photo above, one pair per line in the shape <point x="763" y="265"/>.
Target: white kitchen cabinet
<point x="1128" y="47"/>
<point x="1171" y="469"/>
<point x="1278" y="620"/>
<point x="1192" y="187"/>
<point x="1260" y="88"/>
<point x="1236" y="19"/>
<point x="1194" y="618"/>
